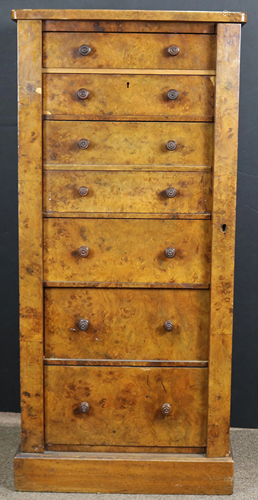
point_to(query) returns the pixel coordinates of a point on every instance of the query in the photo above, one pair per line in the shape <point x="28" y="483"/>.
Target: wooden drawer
<point x="146" y="26"/>
<point x="129" y="96"/>
<point x="128" y="50"/>
<point x="127" y="250"/>
<point x="127" y="144"/>
<point x="125" y="406"/>
<point x="127" y="192"/>
<point x="126" y="324"/>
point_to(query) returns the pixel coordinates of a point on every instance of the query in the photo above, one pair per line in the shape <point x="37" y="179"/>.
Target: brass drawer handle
<point x="84" y="407"/>
<point x="171" y="192"/>
<point x="83" y="94"/>
<point x="83" y="191"/>
<point x="83" y="325"/>
<point x="83" y="251"/>
<point x="84" y="50"/>
<point x="166" y="409"/>
<point x="169" y="326"/>
<point x="173" y="50"/>
<point x="172" y="94"/>
<point x="170" y="252"/>
<point x="83" y="143"/>
<point x="171" y="145"/>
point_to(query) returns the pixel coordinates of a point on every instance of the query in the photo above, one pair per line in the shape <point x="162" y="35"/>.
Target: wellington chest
<point x="128" y="133"/>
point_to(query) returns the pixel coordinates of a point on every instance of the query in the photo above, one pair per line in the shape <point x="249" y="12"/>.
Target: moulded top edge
<point x="129" y="15"/>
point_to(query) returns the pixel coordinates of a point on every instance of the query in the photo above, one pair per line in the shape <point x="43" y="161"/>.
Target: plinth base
<point x="123" y="473"/>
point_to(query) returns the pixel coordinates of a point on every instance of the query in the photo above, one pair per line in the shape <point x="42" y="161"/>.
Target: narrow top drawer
<point x="128" y="50"/>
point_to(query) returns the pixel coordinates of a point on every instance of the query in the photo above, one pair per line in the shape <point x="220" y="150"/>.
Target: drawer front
<point x="127" y="192"/>
<point x="128" y="50"/>
<point x="125" y="406"/>
<point x="146" y="26"/>
<point x="112" y="96"/>
<point x="127" y="250"/>
<point x="126" y="324"/>
<point x="127" y="144"/>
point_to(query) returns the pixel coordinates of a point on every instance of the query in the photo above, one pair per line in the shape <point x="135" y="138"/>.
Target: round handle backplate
<point x="169" y="326"/>
<point x="172" y="94"/>
<point x="83" y="324"/>
<point x="83" y="93"/>
<point x="83" y="191"/>
<point x="83" y="143"/>
<point x="173" y="50"/>
<point x="170" y="252"/>
<point x="171" y="145"/>
<point x="166" y="409"/>
<point x="84" y="50"/>
<point x="83" y="251"/>
<point x="84" y="407"/>
<point x="171" y="192"/>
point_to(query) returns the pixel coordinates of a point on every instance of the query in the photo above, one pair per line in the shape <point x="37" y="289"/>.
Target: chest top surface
<point x="131" y="15"/>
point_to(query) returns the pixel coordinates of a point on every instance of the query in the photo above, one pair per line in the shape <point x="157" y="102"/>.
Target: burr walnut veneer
<point x="128" y="125"/>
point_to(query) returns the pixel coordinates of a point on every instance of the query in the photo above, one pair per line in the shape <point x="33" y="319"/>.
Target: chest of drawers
<point x="128" y="124"/>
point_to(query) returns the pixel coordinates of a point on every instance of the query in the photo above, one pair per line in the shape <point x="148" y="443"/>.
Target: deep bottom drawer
<point x="125" y="406"/>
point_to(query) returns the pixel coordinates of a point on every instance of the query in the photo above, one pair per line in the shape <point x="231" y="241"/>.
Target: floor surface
<point x="245" y="452"/>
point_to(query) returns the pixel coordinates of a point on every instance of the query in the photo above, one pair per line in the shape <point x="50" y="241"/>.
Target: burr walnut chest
<point x="128" y="133"/>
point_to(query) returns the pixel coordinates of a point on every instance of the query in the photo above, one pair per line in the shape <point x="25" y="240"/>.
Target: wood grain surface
<point x="129" y="26"/>
<point x="131" y="284"/>
<point x="130" y="95"/>
<point x="126" y="365"/>
<point x="128" y="50"/>
<point x="130" y="71"/>
<point x="110" y="362"/>
<point x="126" y="144"/>
<point x="126" y="192"/>
<point x="30" y="234"/>
<point x="223" y="238"/>
<point x="126" y="324"/>
<point x="127" y="250"/>
<point x="126" y="449"/>
<point x="125" y="406"/>
<point x="134" y="473"/>
<point x="134" y="15"/>
<point x="127" y="215"/>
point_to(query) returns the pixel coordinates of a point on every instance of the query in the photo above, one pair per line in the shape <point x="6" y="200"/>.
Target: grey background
<point x="245" y="345"/>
